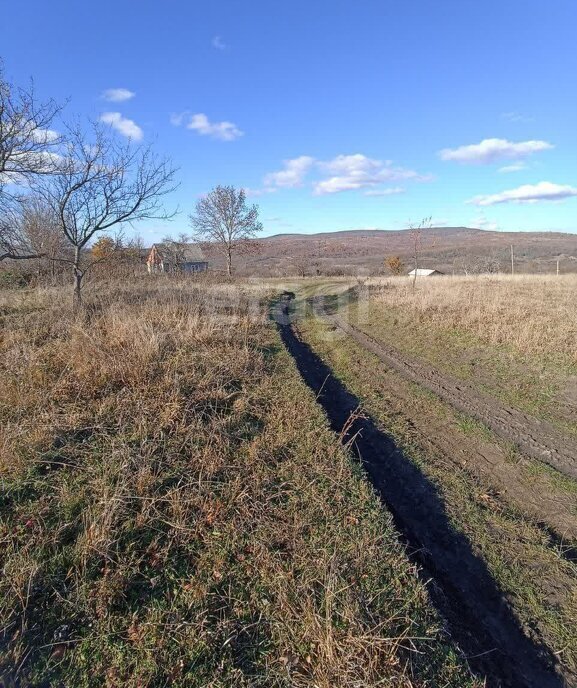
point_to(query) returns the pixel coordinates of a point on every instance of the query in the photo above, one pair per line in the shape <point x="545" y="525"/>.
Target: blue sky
<point x="335" y="114"/>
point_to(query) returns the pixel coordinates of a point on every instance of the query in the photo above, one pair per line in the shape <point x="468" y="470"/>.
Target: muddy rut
<point x="477" y="614"/>
<point x="536" y="438"/>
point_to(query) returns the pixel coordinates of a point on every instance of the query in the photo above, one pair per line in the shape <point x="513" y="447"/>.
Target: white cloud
<point x="223" y="131"/>
<point x="123" y="125"/>
<point x="492" y="150"/>
<point x="218" y="43"/>
<point x="45" y="161"/>
<point x="337" y="184"/>
<point x="45" y="135"/>
<point x="352" y="172"/>
<point x="292" y="175"/>
<point x="516" y="167"/>
<point x="117" y="95"/>
<point x="342" y="173"/>
<point x="528" y="193"/>
<point x="391" y="191"/>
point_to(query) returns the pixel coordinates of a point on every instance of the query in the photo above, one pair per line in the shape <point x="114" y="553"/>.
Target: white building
<point x="424" y="272"/>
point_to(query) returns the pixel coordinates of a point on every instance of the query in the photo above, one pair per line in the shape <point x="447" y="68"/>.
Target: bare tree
<point x="417" y="237"/>
<point x="301" y="265"/>
<point x="223" y="217"/>
<point x="13" y="243"/>
<point x="462" y="264"/>
<point x="28" y="148"/>
<point x="490" y="265"/>
<point x="41" y="233"/>
<point x="101" y="186"/>
<point x="134" y="254"/>
<point x="478" y="265"/>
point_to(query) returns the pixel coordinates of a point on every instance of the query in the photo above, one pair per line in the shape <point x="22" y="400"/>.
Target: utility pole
<point x="512" y="261"/>
<point x="557" y="267"/>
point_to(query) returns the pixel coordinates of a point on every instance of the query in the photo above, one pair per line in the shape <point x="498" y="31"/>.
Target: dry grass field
<point x="533" y="314"/>
<point x="514" y="338"/>
<point x="509" y="339"/>
<point x="174" y="510"/>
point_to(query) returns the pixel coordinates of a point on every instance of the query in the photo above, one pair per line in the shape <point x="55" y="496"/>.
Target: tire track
<point x="536" y="438"/>
<point x="477" y="613"/>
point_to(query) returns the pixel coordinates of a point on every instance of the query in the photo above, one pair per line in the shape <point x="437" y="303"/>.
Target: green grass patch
<point x="176" y="511"/>
<point x="541" y="585"/>
<point x="532" y="384"/>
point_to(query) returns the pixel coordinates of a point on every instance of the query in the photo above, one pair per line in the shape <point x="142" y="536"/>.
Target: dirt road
<point x="535" y="438"/>
<point x="479" y="617"/>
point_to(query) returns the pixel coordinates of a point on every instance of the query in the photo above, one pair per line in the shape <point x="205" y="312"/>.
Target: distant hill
<point x="448" y="249"/>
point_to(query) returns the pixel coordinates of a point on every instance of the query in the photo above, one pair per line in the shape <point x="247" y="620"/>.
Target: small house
<point x="174" y="257"/>
<point x="424" y="272"/>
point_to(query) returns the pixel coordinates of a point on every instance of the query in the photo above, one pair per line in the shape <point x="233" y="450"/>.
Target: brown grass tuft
<point x="175" y="511"/>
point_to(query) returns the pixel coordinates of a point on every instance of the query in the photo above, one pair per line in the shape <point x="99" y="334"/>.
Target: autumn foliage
<point x="395" y="265"/>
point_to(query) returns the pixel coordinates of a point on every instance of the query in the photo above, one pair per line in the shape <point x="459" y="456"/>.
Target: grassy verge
<point x="511" y="339"/>
<point x="175" y="511"/>
<point x="529" y="568"/>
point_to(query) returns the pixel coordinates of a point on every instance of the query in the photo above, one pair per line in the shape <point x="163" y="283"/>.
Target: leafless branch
<point x="28" y="148"/>
<point x="104" y="185"/>
<point x="417" y="239"/>
<point x="222" y="217"/>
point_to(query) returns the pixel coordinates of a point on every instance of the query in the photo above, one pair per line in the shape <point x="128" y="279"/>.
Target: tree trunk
<point x="78" y="275"/>
<point x="229" y="262"/>
<point x="77" y="299"/>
